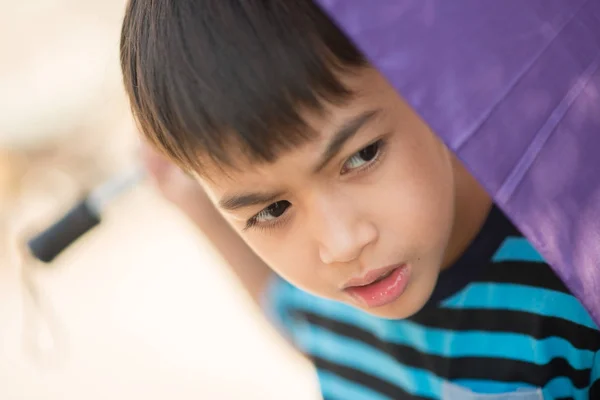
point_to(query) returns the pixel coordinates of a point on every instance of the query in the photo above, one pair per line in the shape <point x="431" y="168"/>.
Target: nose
<point x="343" y="234"/>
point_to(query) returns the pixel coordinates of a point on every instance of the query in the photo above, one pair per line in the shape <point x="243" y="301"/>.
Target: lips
<point x="371" y="276"/>
<point x="379" y="287"/>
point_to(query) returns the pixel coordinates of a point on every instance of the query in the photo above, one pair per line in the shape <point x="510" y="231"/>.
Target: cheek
<point x="421" y="204"/>
<point x="291" y="256"/>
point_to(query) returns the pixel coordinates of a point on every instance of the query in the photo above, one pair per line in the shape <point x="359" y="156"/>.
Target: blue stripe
<point x="488" y="296"/>
<point x="501" y="296"/>
<point x="492" y="387"/>
<point x="560" y="388"/>
<point x="596" y="369"/>
<point x="512" y="346"/>
<point x="360" y="356"/>
<point x="357" y="355"/>
<point x="517" y="249"/>
<point x="335" y="387"/>
<point x="277" y="303"/>
<point x="557" y="388"/>
<point x="449" y="343"/>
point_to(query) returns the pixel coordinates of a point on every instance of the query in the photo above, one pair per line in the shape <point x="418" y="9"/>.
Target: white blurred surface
<point x="142" y="309"/>
<point x="59" y="70"/>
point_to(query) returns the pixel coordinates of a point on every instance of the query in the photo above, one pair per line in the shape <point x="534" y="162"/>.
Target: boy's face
<point x="364" y="214"/>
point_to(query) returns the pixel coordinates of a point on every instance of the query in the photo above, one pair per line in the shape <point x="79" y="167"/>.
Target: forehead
<point x="371" y="92"/>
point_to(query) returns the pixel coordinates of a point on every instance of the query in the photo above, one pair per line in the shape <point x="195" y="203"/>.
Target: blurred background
<point x="140" y="307"/>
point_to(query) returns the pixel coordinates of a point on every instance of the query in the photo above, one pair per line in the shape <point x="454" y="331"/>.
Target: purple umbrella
<point x="513" y="87"/>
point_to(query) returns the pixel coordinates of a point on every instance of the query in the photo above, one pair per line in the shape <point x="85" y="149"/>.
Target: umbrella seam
<point x="459" y="144"/>
<point x="533" y="150"/>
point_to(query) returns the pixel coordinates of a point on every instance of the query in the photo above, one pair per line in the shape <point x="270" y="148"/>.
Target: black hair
<point x="203" y="75"/>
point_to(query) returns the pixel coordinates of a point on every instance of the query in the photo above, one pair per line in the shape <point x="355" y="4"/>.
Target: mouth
<point x="379" y="287"/>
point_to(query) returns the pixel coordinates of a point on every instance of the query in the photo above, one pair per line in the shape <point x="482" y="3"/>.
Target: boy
<point x="404" y="280"/>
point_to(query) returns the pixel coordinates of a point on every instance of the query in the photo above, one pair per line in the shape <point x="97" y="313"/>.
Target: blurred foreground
<point x="140" y="307"/>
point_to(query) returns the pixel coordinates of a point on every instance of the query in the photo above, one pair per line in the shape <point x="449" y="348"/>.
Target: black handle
<point x="51" y="242"/>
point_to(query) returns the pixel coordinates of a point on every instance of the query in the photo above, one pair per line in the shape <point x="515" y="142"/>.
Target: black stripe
<point x="356" y="376"/>
<point x="451" y="368"/>
<point x="512" y="371"/>
<point x="595" y="390"/>
<point x="534" y="274"/>
<point x="581" y="337"/>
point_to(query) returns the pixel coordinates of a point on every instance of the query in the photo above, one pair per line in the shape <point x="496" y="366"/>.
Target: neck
<point x="472" y="206"/>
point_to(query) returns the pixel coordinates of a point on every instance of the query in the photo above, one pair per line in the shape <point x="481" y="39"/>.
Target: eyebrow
<point x="242" y="200"/>
<point x="348" y="130"/>
<point x="335" y="145"/>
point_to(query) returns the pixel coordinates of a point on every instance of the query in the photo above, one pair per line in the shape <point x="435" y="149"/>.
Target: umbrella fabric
<point x="513" y="87"/>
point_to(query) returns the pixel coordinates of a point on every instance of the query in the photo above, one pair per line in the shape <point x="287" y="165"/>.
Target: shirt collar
<point x="495" y="230"/>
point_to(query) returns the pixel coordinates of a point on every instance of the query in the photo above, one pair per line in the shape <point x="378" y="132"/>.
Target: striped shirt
<point x="500" y="325"/>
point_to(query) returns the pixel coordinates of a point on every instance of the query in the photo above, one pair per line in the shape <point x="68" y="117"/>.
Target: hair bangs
<point x="215" y="79"/>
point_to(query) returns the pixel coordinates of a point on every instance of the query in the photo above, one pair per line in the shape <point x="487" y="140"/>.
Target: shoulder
<point x="519" y="280"/>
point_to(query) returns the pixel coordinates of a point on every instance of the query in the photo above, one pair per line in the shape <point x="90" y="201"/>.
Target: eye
<point x="269" y="214"/>
<point x="362" y="157"/>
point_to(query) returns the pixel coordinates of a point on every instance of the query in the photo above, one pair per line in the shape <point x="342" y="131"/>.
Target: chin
<point x="391" y="312"/>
